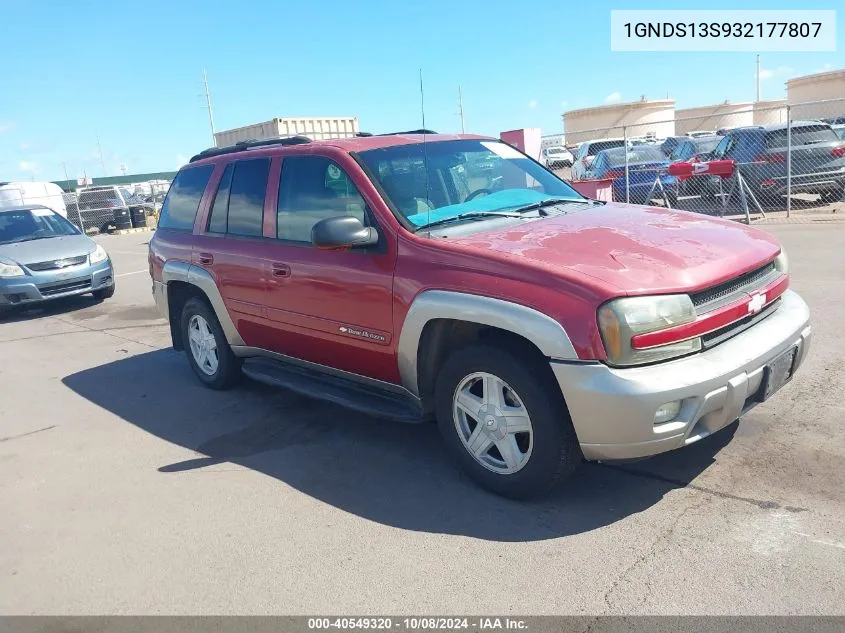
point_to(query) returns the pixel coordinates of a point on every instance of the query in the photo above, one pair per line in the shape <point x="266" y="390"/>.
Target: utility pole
<point x="208" y="103"/>
<point x="758" y="77"/>
<point x="461" y="109"/>
<point x="64" y="166"/>
<point x="100" y="151"/>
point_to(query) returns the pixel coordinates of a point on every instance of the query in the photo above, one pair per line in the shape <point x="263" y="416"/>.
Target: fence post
<point x="625" y="149"/>
<point x="788" y="161"/>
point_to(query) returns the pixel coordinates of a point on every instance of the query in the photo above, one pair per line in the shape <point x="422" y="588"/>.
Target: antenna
<point x="422" y="100"/>
<point x="461" y="109"/>
<point x="208" y="103"/>
<point x="100" y="151"/>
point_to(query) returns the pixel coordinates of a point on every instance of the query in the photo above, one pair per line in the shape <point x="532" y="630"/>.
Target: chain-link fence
<point x="107" y="208"/>
<point x="784" y="158"/>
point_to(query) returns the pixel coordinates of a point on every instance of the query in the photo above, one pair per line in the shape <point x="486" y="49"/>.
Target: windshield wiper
<point x="469" y="215"/>
<point x="24" y="239"/>
<point x="553" y="201"/>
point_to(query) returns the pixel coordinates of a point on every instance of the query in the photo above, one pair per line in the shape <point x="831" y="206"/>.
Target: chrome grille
<point x="57" y="264"/>
<point x="729" y="291"/>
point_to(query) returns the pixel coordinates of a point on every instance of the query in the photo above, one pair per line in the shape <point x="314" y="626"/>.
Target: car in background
<point x="691" y="150"/>
<point x="670" y="143"/>
<point x="818" y="159"/>
<point x="700" y="133"/>
<point x="557" y="157"/>
<point x="46" y="194"/>
<point x="645" y="164"/>
<point x="44" y="257"/>
<point x="840" y="131"/>
<point x="587" y="152"/>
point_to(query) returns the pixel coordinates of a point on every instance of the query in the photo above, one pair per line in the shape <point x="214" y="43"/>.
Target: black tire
<point x="104" y="293"/>
<point x="555" y="453"/>
<point x="228" y="371"/>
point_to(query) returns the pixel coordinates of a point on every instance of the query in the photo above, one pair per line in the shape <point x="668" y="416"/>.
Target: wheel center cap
<point x="491" y="423"/>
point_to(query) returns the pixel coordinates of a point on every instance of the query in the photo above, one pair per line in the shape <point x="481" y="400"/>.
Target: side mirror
<point x="343" y="232"/>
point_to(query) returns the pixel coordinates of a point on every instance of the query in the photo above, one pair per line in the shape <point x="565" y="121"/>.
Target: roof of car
<point x="23" y="207"/>
<point x="772" y="127"/>
<point x="360" y="143"/>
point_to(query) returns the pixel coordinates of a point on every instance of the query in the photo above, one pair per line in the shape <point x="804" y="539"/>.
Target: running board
<point x="348" y="393"/>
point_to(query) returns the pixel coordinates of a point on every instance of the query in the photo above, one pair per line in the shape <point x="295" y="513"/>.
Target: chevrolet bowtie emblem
<point x="756" y="304"/>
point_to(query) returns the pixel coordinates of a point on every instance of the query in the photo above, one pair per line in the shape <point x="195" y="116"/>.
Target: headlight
<point x="10" y="270"/>
<point x="621" y="319"/>
<point x="782" y="262"/>
<point x="98" y="255"/>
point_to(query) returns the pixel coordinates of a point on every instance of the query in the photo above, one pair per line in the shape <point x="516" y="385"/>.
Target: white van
<point x="47" y="194"/>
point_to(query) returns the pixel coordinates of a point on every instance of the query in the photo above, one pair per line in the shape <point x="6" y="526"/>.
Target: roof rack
<point x="249" y="144"/>
<point x="367" y="134"/>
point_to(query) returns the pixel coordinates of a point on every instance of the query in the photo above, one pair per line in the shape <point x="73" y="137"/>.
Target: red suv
<point x="421" y="276"/>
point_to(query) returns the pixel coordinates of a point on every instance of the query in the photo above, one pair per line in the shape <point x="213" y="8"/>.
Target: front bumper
<point x="36" y="287"/>
<point x="613" y="409"/>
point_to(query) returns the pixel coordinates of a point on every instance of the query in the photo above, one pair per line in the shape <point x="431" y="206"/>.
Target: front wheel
<point x="503" y="419"/>
<point x="206" y="346"/>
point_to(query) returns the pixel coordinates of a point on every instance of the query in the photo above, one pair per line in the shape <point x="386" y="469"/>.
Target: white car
<point x="587" y="152"/>
<point x="557" y="157"/>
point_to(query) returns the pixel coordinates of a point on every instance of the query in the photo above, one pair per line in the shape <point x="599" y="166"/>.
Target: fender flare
<point x="202" y="279"/>
<point x="543" y="331"/>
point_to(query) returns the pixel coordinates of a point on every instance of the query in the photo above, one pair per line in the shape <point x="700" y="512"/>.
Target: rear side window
<point x="180" y="206"/>
<point x="246" y="197"/>
<point x="801" y="135"/>
<point x="220" y="207"/>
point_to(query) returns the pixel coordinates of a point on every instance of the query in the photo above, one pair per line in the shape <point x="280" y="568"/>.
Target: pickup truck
<point x="392" y="275"/>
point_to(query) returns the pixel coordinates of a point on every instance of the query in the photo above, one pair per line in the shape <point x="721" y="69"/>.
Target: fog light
<point x="667" y="412"/>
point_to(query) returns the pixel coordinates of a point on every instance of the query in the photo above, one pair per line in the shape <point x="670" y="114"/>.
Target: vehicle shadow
<point x="391" y="473"/>
<point x="54" y="307"/>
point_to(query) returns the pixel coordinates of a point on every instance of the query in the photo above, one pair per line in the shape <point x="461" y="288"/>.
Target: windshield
<point x="32" y="224"/>
<point x="636" y="155"/>
<point x="600" y="146"/>
<point x="126" y="194"/>
<point x="555" y="150"/>
<point x="428" y="182"/>
<point x="706" y="144"/>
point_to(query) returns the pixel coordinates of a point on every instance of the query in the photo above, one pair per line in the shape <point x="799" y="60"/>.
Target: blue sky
<point x="131" y="71"/>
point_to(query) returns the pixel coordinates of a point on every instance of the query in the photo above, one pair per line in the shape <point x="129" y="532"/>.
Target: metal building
<point x="641" y="118"/>
<point x="316" y="128"/>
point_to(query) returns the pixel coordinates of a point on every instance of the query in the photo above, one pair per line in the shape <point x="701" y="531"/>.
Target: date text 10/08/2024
<point x="421" y="623"/>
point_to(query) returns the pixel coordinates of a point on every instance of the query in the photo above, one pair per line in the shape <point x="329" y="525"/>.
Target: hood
<point x="631" y="249"/>
<point x="48" y="249"/>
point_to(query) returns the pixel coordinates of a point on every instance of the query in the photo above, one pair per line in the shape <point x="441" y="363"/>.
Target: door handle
<point x="280" y="270"/>
<point x="206" y="259"/>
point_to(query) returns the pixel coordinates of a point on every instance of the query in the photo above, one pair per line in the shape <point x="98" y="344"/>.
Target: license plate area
<point x="777" y="373"/>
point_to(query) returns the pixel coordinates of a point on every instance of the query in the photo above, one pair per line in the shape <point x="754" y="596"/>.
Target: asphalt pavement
<point x="127" y="488"/>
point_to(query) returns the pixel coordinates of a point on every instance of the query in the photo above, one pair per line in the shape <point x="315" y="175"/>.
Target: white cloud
<point x="5" y="126"/>
<point x="180" y="160"/>
<point x="613" y="97"/>
<point x="563" y="104"/>
<point x="765" y="73"/>
<point x="824" y="68"/>
<point x="532" y="104"/>
<point x="28" y="166"/>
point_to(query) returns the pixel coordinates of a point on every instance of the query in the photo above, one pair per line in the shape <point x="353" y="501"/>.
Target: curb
<point x="140" y="229"/>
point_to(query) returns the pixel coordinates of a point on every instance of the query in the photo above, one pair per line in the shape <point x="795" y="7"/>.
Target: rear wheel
<point x="208" y="352"/>
<point x="503" y="419"/>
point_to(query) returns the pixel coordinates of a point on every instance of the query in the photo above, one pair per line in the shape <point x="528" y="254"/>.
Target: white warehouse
<point x="316" y="128"/>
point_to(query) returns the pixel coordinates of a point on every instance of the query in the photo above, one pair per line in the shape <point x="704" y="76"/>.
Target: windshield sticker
<point x="502" y="150"/>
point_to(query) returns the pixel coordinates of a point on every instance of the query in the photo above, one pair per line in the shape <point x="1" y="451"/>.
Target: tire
<point x="226" y="372"/>
<point x="104" y="293"/>
<point x="545" y="456"/>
